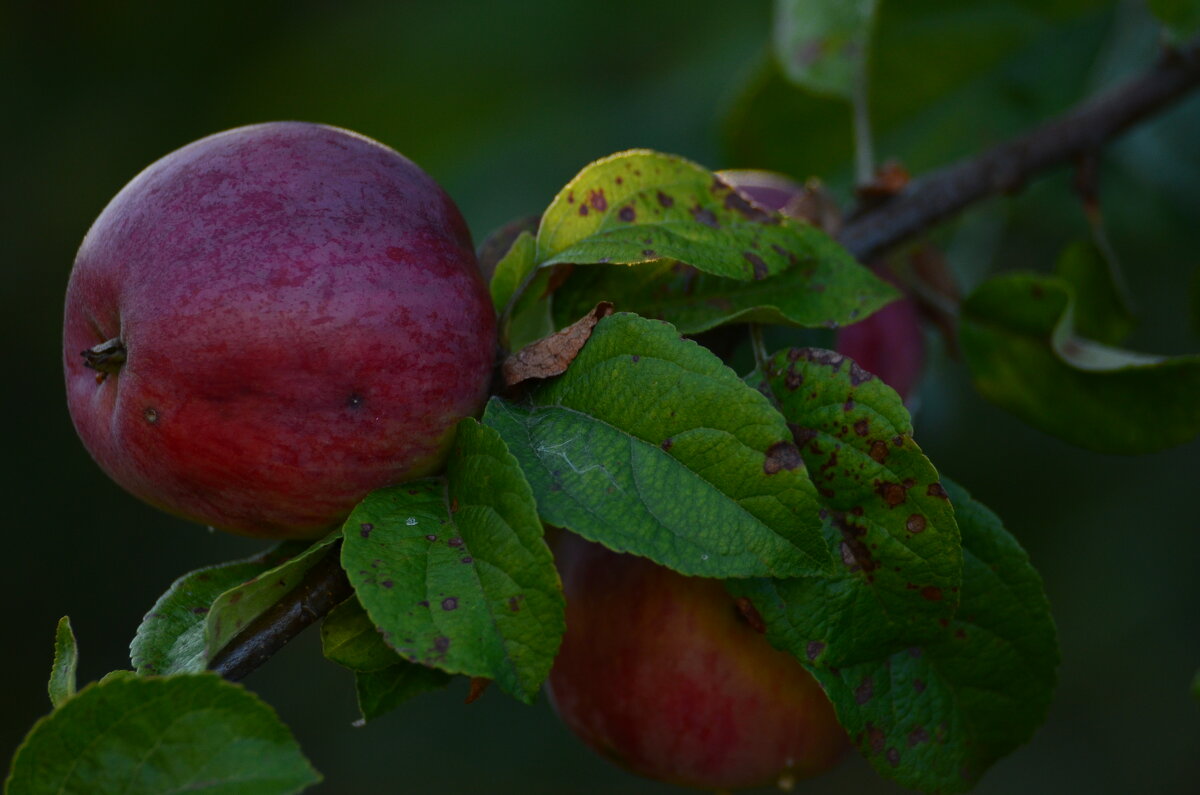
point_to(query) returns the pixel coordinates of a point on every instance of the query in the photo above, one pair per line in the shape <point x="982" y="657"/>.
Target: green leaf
<point x="641" y="206"/>
<point x="649" y="444"/>
<point x="512" y="270"/>
<point x="380" y="692"/>
<point x="531" y="314"/>
<point x="456" y="573"/>
<point x="383" y="679"/>
<point x="822" y="44"/>
<point x="66" y="659"/>
<point x="827" y="293"/>
<point x="148" y="736"/>
<point x="170" y="639"/>
<point x="1102" y="310"/>
<point x="1181" y="17"/>
<point x="237" y="607"/>
<point x="934" y="717"/>
<point x="351" y="639"/>
<point x="1018" y="338"/>
<point x="885" y="518"/>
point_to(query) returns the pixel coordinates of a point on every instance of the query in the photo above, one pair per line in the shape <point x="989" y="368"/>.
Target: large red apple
<point x="663" y="675"/>
<point x="270" y="322"/>
<point x="888" y="343"/>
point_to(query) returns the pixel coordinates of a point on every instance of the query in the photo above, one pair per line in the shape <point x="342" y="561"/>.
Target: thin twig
<point x="1006" y="168"/>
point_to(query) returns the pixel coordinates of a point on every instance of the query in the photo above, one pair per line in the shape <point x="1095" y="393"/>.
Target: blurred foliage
<point x="503" y="103"/>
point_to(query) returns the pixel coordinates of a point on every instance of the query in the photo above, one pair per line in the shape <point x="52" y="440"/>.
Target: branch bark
<point x="1078" y="133"/>
<point x="927" y="200"/>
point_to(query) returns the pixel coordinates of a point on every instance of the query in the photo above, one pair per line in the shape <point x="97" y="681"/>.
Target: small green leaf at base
<point x="237" y="607"/>
<point x="170" y="639"/>
<point x="66" y="659"/>
<point x="150" y="735"/>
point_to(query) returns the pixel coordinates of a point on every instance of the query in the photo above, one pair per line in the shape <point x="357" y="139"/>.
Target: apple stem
<point x="107" y="357"/>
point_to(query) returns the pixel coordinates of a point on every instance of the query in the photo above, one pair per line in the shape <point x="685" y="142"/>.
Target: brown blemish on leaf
<point x="478" y="685"/>
<point x="552" y="355"/>
<point x="583" y="209"/>
<point x="649" y="252"/>
<point x="761" y="269"/>
<point x="893" y="757"/>
<point x="863" y="693"/>
<point x="441" y="643"/>
<point x="450" y="603"/>
<point x="666" y="443"/>
<point x="855" y="553"/>
<point x="875" y="737"/>
<point x="891" y="493"/>
<point x="705" y="216"/>
<point x="859" y="376"/>
<point x="793" y="379"/>
<point x="736" y="202"/>
<point x="514" y="602"/>
<point x="936" y="490"/>
<point x="813" y="650"/>
<point x="802" y="436"/>
<point x="915" y="524"/>
<point x="932" y="593"/>
<point x="917" y="736"/>
<point x="919" y="685"/>
<point x="862" y="427"/>
<point x="627" y="213"/>
<point x="387" y="583"/>
<point x="749" y="613"/>
<point x="665" y="200"/>
<point x="455" y="542"/>
<point x="780" y="456"/>
<point x="597" y="200"/>
<point x="365" y="529"/>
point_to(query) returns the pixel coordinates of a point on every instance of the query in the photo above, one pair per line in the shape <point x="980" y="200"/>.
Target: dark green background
<point x="502" y="103"/>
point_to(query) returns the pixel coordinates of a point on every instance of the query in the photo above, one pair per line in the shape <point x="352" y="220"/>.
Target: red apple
<point x="270" y="322"/>
<point x="662" y="674"/>
<point x="888" y="343"/>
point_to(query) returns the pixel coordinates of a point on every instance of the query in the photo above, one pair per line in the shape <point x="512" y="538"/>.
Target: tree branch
<point x="927" y="200"/>
<point x="1006" y="168"/>
<point x="323" y="588"/>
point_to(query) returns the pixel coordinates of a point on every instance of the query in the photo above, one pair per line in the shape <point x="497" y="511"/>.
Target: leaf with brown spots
<point x="935" y="716"/>
<point x="550" y="356"/>
<point x="894" y="537"/>
<point x="642" y="206"/>
<point x="650" y="445"/>
<point x="438" y="583"/>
